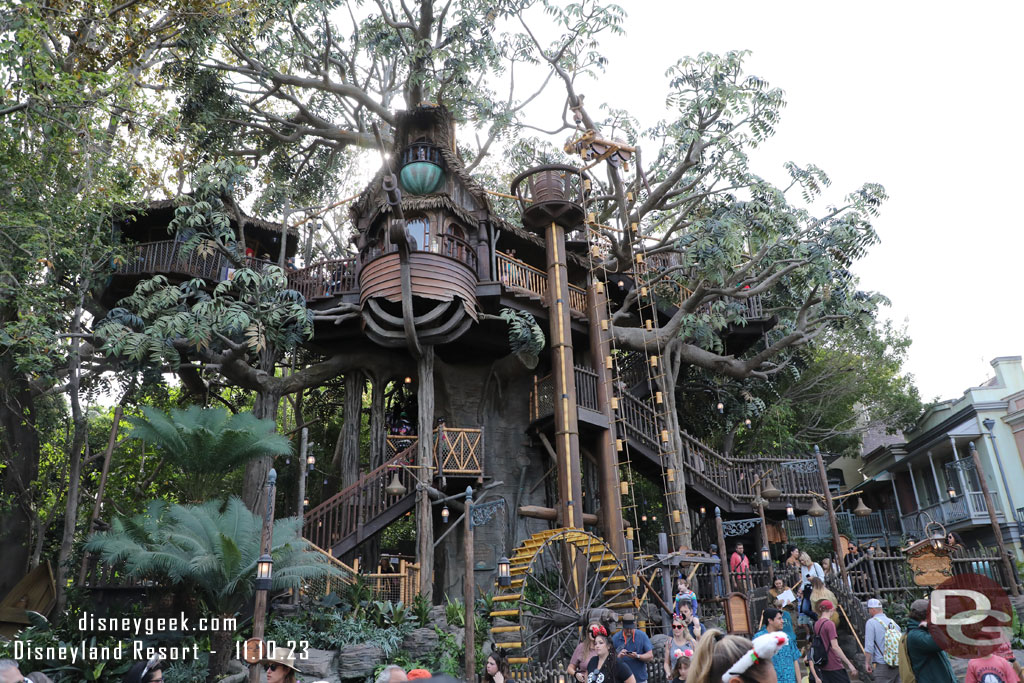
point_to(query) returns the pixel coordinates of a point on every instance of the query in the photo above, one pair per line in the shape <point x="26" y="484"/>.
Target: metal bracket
<point x="738" y="527"/>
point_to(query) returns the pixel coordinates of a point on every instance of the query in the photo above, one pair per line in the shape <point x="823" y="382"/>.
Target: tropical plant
<point x="454" y="612"/>
<point x="207" y="443"/>
<point x="421" y="609"/>
<point x="525" y="336"/>
<point x="210" y="550"/>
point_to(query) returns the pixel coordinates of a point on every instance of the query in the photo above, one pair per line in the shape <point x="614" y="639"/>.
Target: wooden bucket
<point x="547" y="186"/>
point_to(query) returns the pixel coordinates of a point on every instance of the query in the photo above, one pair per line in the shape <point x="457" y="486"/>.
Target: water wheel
<point x="561" y="579"/>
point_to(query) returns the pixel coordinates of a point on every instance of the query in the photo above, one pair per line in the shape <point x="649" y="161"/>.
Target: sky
<point x="920" y="97"/>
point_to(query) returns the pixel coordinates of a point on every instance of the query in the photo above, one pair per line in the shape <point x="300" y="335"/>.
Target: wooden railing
<point x="344" y="513"/>
<point x="729" y="477"/>
<point x="459" y="451"/>
<point x="517" y="275"/>
<point x="324" y="279"/>
<point x="457" y="248"/>
<point x="165" y="256"/>
<point x="317" y="281"/>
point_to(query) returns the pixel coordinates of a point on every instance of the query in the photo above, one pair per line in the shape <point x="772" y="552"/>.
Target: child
<point x="682" y="667"/>
<point x="991" y="668"/>
<point x="684" y="594"/>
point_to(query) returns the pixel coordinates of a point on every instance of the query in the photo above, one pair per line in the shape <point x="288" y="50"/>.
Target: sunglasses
<point x="270" y="667"/>
<point x="678" y="626"/>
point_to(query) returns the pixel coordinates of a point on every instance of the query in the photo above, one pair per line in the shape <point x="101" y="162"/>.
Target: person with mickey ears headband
<point x="721" y="658"/>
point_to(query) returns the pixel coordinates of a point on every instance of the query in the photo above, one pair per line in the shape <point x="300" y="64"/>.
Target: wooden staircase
<point x="350" y="517"/>
<point x="722" y="480"/>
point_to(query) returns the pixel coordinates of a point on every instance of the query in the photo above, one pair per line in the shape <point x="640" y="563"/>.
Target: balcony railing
<point x="877" y="525"/>
<point x="320" y="280"/>
<point x="522" y="277"/>
<point x="970" y="507"/>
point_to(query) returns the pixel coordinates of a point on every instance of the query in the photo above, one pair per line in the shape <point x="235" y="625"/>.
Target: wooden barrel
<point x="547" y="186"/>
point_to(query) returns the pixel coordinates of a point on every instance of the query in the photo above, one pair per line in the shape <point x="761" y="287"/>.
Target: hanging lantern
<point x="747" y="422"/>
<point x="816" y="510"/>
<point x="676" y="516"/>
<point x="654" y="518"/>
<point x="395" y="488"/>
<point x="264" y="571"/>
<point x="643" y="517"/>
<point x="444" y="514"/>
<point x="861" y="510"/>
<point x="703" y="510"/>
<point x="790" y="514"/>
<point x="670" y="475"/>
<point x="408" y="379"/>
<point x="504" y="572"/>
<point x="624" y="487"/>
<point x="810" y="522"/>
<point x="937" y="540"/>
<point x="769" y="491"/>
<point x="766" y="556"/>
<point x="721" y="407"/>
<point x="951" y="491"/>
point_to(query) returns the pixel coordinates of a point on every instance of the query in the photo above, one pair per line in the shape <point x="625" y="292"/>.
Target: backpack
<point x="819" y="649"/>
<point x="907" y="674"/>
<point x="891" y="644"/>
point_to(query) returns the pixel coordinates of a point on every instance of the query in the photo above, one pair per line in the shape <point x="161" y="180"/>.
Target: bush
<point x="330" y="630"/>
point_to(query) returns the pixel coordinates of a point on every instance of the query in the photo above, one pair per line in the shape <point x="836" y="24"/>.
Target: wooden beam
<point x="550" y="514"/>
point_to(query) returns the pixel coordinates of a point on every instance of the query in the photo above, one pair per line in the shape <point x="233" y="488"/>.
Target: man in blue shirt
<point x="787" y="660"/>
<point x="633" y="647"/>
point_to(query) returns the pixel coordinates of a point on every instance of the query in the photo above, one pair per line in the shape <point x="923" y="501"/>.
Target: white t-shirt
<point x="809" y="572"/>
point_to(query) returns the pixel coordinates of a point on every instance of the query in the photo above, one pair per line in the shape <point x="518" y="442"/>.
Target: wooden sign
<point x="737" y="617"/>
<point x="253" y="650"/>
<point x="931" y="565"/>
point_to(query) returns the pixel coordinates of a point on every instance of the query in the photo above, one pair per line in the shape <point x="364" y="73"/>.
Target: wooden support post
<point x="666" y="581"/>
<point x="469" y="589"/>
<point x="259" y="613"/>
<point x="1007" y="567"/>
<point x="722" y="553"/>
<point x="831" y="516"/>
<point x="567" y="438"/>
<point x="425" y="470"/>
<point x="607" y="458"/>
<point x="764" y="538"/>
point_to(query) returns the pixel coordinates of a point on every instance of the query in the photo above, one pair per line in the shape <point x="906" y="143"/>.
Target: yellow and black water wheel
<point x="561" y="579"/>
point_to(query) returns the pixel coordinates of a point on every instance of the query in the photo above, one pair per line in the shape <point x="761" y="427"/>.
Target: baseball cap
<point x="874" y="603"/>
<point x="826" y="604"/>
<point x="418" y="673"/>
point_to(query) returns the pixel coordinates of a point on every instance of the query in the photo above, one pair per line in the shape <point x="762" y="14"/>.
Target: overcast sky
<point x="921" y="97"/>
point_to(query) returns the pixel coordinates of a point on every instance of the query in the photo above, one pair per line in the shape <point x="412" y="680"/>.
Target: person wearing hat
<point x="833" y="671"/>
<point x="929" y="662"/>
<point x="874" y="644"/>
<point x="281" y="667"/>
<point x="634" y="648"/>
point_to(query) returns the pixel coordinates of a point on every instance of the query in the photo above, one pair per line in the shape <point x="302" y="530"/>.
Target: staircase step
<point x="504" y="613"/>
<point x="506" y="598"/>
<point x="509" y="646"/>
<point x="506" y="629"/>
<point x="518" y="660"/>
<point x="622" y="605"/>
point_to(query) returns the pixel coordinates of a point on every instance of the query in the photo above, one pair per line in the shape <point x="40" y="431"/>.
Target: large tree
<point x="298" y="86"/>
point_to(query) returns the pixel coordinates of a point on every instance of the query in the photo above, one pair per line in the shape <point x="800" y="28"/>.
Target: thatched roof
<point x="161" y="205"/>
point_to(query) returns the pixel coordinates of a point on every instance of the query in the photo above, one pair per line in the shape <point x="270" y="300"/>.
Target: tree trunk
<point x="79" y="434"/>
<point x="346" y="452"/>
<point x="378" y="454"/>
<point x="675" y="497"/>
<point x="425" y="471"/>
<point x="254" y="487"/>
<point x="19" y="448"/>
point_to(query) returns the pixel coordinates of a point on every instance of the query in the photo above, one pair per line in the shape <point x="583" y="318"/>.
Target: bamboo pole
<point x="852" y="629"/>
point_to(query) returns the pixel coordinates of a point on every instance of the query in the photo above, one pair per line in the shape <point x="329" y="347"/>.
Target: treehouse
<point x="439" y="283"/>
<point x="154" y="249"/>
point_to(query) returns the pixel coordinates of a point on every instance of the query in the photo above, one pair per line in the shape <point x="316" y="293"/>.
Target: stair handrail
<point x="348" y="490"/>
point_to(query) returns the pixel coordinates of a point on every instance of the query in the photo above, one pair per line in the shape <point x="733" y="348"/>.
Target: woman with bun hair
<point x="497" y="669"/>
<point x="734" y="659"/>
